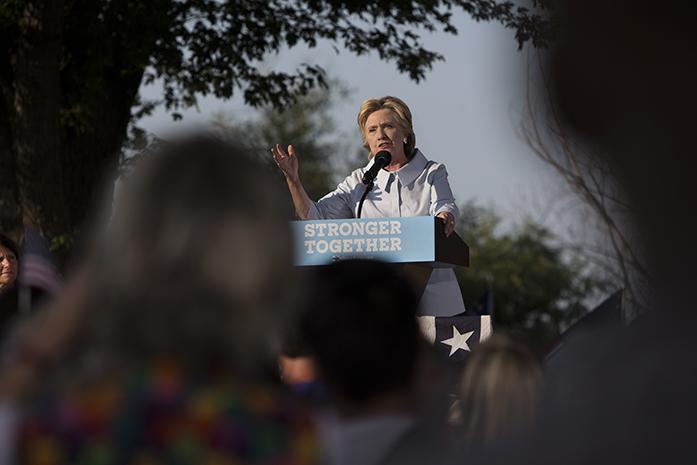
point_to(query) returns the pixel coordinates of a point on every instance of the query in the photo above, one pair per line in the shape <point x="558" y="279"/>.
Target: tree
<point x="325" y="156"/>
<point x="70" y="74"/>
<point x="613" y="247"/>
<point x="538" y="289"/>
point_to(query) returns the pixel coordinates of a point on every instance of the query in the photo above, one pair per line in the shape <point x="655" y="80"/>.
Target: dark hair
<point x="360" y="325"/>
<point x="9" y="244"/>
<point x="195" y="264"/>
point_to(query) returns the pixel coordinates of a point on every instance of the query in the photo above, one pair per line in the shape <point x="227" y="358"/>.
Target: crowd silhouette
<point x="184" y="335"/>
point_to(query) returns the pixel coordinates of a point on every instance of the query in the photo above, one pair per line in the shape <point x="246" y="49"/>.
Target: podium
<point x="417" y="243"/>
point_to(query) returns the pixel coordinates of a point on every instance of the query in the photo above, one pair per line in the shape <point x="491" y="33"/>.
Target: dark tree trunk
<point x="91" y="156"/>
<point x="68" y="81"/>
<point x="36" y="104"/>
<point x="10" y="211"/>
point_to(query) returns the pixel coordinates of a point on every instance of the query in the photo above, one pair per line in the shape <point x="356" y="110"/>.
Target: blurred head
<point x="499" y="390"/>
<point x="9" y="263"/>
<point x="196" y="261"/>
<point x="386" y="124"/>
<point x="295" y="361"/>
<point x="361" y="328"/>
<point x="296" y="370"/>
<point x="628" y="88"/>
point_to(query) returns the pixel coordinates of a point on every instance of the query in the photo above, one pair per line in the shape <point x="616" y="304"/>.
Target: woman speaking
<point x="410" y="185"/>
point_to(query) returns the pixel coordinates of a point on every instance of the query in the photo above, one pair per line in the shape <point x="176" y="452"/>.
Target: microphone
<point x="382" y="159"/>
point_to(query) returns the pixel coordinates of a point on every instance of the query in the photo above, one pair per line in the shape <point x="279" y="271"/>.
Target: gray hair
<point x="196" y="263"/>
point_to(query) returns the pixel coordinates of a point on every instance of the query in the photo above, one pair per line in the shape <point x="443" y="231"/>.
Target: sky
<point x="466" y="112"/>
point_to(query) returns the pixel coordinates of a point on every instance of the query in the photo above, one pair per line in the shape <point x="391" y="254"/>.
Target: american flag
<point x="606" y="316"/>
<point x="37" y="270"/>
<point x="455" y="336"/>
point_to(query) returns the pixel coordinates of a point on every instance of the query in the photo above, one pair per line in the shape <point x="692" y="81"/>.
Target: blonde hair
<point x="401" y="111"/>
<point x="499" y="391"/>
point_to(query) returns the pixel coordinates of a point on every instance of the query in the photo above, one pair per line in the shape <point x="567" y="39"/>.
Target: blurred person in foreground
<point x="499" y="393"/>
<point x="9" y="268"/>
<point x="179" y="308"/>
<point x="361" y="329"/>
<point x="629" y="89"/>
<point x="297" y="367"/>
<point x="410" y="185"/>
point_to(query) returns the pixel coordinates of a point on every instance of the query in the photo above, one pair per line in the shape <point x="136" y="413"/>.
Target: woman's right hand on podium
<point x="286" y="161"/>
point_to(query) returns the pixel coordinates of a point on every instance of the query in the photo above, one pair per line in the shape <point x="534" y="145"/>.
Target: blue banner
<point x="397" y="240"/>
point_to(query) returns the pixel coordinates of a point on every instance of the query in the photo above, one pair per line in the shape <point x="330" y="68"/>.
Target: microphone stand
<point x="382" y="159"/>
<point x="368" y="188"/>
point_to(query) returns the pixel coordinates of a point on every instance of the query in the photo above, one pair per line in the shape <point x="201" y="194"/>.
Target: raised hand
<point x="286" y="161"/>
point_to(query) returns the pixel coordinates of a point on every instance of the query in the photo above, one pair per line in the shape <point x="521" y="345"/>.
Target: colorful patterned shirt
<point x="160" y="416"/>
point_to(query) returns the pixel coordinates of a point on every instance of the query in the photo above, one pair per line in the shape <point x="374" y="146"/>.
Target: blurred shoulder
<point x="134" y="407"/>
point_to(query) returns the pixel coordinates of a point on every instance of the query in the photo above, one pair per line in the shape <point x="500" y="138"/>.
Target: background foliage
<point x="538" y="288"/>
<point x="71" y="72"/>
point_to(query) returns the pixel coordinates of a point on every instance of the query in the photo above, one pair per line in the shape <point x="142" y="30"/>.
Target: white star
<point x="458" y="341"/>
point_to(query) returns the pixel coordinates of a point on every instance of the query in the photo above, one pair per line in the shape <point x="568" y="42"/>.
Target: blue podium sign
<point x="396" y="240"/>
